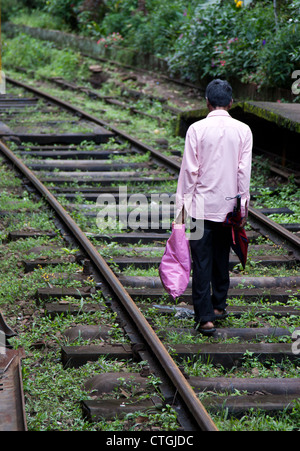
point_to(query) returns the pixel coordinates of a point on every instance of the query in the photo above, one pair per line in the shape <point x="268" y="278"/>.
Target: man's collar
<point x="218" y="113"/>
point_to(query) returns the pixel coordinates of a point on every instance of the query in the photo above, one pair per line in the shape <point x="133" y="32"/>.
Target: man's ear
<point x="209" y="105"/>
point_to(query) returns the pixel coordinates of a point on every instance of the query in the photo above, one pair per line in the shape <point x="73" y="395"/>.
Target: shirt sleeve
<point x="244" y="173"/>
<point x="188" y="173"/>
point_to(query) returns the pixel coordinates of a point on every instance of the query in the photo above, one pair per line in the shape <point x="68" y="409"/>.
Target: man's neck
<point x="225" y="108"/>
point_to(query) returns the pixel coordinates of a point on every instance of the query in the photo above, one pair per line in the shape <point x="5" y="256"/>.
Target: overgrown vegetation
<point x="245" y="43"/>
<point x="249" y="40"/>
<point x="43" y="58"/>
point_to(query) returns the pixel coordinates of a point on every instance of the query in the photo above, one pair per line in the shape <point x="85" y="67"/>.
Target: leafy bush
<point x="64" y="9"/>
<point x="151" y="31"/>
<point x="239" y="42"/>
<point x="9" y="8"/>
<point x="279" y="58"/>
<point x="39" y="19"/>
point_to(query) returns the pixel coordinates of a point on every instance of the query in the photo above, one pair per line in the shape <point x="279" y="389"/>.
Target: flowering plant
<point x="223" y="54"/>
<point x="111" y="39"/>
<point x="238" y="3"/>
<point x="234" y="41"/>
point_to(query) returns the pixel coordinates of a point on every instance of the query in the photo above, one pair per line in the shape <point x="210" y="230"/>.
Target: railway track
<point x="91" y="165"/>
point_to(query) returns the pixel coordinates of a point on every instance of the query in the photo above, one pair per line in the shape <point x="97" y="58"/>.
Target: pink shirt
<point x="216" y="165"/>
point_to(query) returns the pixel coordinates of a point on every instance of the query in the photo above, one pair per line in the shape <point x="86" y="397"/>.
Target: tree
<point x="142" y="7"/>
<point x="275" y="13"/>
<point x="95" y="8"/>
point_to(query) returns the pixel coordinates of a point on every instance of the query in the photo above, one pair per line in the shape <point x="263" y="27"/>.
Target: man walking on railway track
<point x="216" y="167"/>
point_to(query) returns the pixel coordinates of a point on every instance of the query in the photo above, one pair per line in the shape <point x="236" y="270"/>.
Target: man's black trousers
<point x="210" y="256"/>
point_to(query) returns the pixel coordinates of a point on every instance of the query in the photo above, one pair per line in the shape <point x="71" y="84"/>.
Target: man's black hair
<point x="219" y="93"/>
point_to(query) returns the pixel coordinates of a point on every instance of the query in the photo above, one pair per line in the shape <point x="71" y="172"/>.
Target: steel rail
<point x="12" y="402"/>
<point x="277" y="228"/>
<point x="196" y="408"/>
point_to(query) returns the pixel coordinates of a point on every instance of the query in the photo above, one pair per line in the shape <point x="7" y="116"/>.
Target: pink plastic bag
<point x="175" y="266"/>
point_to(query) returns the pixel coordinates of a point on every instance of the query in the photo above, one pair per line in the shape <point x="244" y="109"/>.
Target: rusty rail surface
<point x="12" y="404"/>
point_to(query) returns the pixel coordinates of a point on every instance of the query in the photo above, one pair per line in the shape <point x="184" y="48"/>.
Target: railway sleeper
<point x="94" y="180"/>
<point x="69" y="153"/>
<point x="24" y="234"/>
<point x="106" y="194"/>
<point x="226" y="355"/>
<point x="31" y="265"/>
<point x="291" y="227"/>
<point x="270" y="395"/>
<point x="96" y="332"/>
<point x="76" y="356"/>
<point x="183" y="310"/>
<point x="246" y="334"/>
<point x="238" y="406"/>
<point x="87" y="332"/>
<point x="84" y="165"/>
<point x="67" y="308"/>
<point x="111" y="382"/>
<point x="101" y="136"/>
<point x="143" y="230"/>
<point x="250" y="295"/>
<point x="145" y="263"/>
<point x="142" y="219"/>
<point x="278" y="211"/>
<point x="109" y="409"/>
<point x="289" y="282"/>
<point x="10" y="214"/>
<point x="145" y="237"/>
